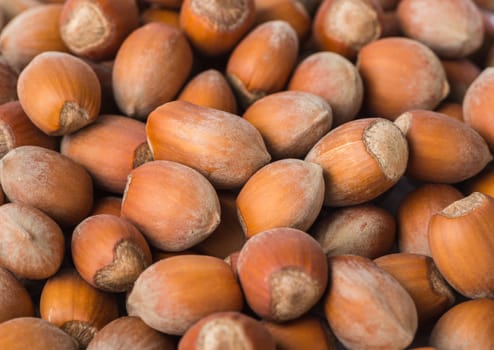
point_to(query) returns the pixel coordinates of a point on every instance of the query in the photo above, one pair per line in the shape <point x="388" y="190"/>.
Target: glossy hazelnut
<point x="283" y="273"/>
<point x="286" y="193"/>
<point x="173" y="294"/>
<point x="174" y="206"/>
<point x="68" y="98"/>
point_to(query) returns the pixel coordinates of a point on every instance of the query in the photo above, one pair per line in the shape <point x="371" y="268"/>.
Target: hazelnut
<point x="468" y="325"/>
<point x="345" y="26"/>
<point x="442" y="149"/>
<point x="477" y="110"/>
<point x="286" y="193"/>
<point x="292" y="11"/>
<point x="461" y="243"/>
<point x="130" y="333"/>
<point x="228" y="330"/>
<point x="8" y="82"/>
<point x="109" y="252"/>
<point x="32" y="32"/>
<point x="214" y="27"/>
<point x="15" y="301"/>
<point x="150" y="55"/>
<point x="414" y="212"/>
<point x="250" y="69"/>
<point x="210" y="89"/>
<point x="305" y="332"/>
<point x="283" y="273"/>
<point x="228" y="237"/>
<point x="400" y="74"/>
<point x="432" y="23"/>
<point x="173" y="294"/>
<point x="69" y="97"/>
<point x="49" y="181"/>
<point x="174" y="206"/>
<point x="76" y="307"/>
<point x="96" y="28"/>
<point x="305" y="118"/>
<point x="107" y="205"/>
<point x="222" y="146"/>
<point x="451" y="109"/>
<point x="420" y="277"/>
<point x="364" y="230"/>
<point x="334" y="78"/>
<point x="361" y="159"/>
<point x="460" y="73"/>
<point x="32" y="243"/>
<point x="366" y="307"/>
<point x="23" y="332"/>
<point x="16" y="129"/>
<point x="108" y="149"/>
<point x="166" y="16"/>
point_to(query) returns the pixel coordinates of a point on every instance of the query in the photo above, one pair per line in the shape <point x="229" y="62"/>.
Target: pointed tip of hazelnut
<point x="72" y="118"/>
<point x="129" y="261"/>
<point x="293" y="291"/>
<point x="387" y="144"/>
<point x="81" y="331"/>
<point x="464" y="206"/>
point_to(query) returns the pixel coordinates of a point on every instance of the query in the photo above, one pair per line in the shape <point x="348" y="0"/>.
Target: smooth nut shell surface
<point x="400" y="74"/>
<point x="174" y="293"/>
<point x="361" y="159"/>
<point x="364" y="230"/>
<point x="442" y="149"/>
<point x="420" y="277"/>
<point x="30" y="33"/>
<point x="468" y="325"/>
<point x="32" y="243"/>
<point x="49" y="181"/>
<point x="151" y="55"/>
<point x="461" y="242"/>
<point x="21" y="333"/>
<point x="283" y="273"/>
<point x="290" y="122"/>
<point x="210" y="89"/>
<point x="173" y="205"/>
<point x="69" y="302"/>
<point x="477" y="105"/>
<point x="250" y="69"/>
<point x="414" y="212"/>
<point x="451" y="28"/>
<point x="108" y="149"/>
<point x="16" y="129"/>
<point x="15" y="300"/>
<point x="129" y="333"/>
<point x="109" y="252"/>
<point x="214" y="27"/>
<point x="223" y="147"/>
<point x="286" y="193"/>
<point x="59" y="92"/>
<point x="334" y="78"/>
<point x="366" y="307"/>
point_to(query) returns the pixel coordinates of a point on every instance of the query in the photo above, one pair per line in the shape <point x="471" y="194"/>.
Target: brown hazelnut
<point x="286" y="193"/>
<point x="174" y="206"/>
<point x="32" y="243"/>
<point x="15" y="300"/>
<point x="76" y="307"/>
<point x="173" y="294"/>
<point x="283" y="273"/>
<point x="68" y="98"/>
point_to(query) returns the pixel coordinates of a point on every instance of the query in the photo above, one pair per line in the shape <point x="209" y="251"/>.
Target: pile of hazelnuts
<point x="246" y="174"/>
